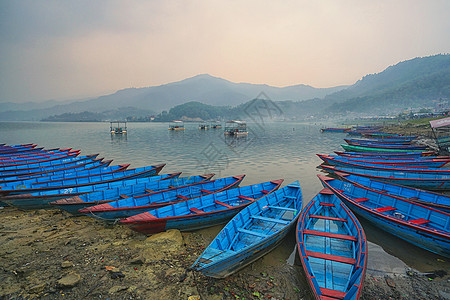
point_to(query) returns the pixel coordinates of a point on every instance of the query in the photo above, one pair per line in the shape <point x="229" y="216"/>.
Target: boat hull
<point x="333" y="255"/>
<point x="255" y="231"/>
<point x="427" y="238"/>
<point x="201" y="212"/>
<point x="371" y="149"/>
<point x="435" y="200"/>
<point x="423" y="181"/>
<point x="233" y="264"/>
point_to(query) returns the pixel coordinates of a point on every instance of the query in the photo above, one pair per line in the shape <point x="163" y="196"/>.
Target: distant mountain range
<point x="412" y="83"/>
<point x="152" y="100"/>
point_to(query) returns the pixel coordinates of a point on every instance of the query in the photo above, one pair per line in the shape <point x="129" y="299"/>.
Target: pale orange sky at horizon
<point x="68" y="50"/>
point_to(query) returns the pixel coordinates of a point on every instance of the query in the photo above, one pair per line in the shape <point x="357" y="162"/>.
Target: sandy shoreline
<point x="49" y="254"/>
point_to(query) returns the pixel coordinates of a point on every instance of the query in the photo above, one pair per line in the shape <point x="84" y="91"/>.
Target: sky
<point x="65" y="49"/>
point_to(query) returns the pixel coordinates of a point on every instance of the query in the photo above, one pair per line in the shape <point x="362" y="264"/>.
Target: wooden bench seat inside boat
<point x="328" y="218"/>
<point x="385" y="208"/>
<point x="342" y="259"/>
<point x="419" y="221"/>
<point x="330" y="234"/>
<point x="223" y="204"/>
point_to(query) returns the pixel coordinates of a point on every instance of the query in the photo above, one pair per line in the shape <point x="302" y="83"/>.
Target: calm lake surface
<point x="270" y="151"/>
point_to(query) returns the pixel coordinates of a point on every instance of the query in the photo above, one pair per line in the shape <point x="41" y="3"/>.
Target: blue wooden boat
<point x="333" y="248"/>
<point x="393" y="155"/>
<point x="373" y="149"/>
<point x="38" y="167"/>
<point x="17" y="148"/>
<point x="394" y="159"/>
<point x="252" y="233"/>
<point x="406" y="167"/>
<point x="381" y="141"/>
<point x="387" y="146"/>
<point x="37" y="164"/>
<point x="41" y="199"/>
<point x="428" y="181"/>
<point x="370" y="163"/>
<point x="201" y="212"/>
<point x="24" y="162"/>
<point x="139" y="187"/>
<point x="432" y="199"/>
<point x="81" y="181"/>
<point x="40" y="153"/>
<point x="128" y="207"/>
<point x="60" y="176"/>
<point x="417" y="224"/>
<point x="367" y="142"/>
<point x="69" y="168"/>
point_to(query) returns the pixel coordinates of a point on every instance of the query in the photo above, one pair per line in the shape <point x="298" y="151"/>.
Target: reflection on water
<point x="118" y="138"/>
<point x="270" y="151"/>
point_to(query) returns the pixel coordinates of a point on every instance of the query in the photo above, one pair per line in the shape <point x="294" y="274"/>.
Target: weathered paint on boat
<point x="54" y="179"/>
<point x="333" y="248"/>
<point x="142" y="187"/>
<point x="201" y="212"/>
<point x="41" y="199"/>
<point x="435" y="200"/>
<point x="13" y="163"/>
<point x="75" y="167"/>
<point x="84" y="181"/>
<point x="26" y="167"/>
<point x="252" y="233"/>
<point x="128" y="207"/>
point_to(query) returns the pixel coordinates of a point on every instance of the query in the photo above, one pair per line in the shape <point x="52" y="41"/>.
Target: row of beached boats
<point x="389" y="181"/>
<point x="331" y="241"/>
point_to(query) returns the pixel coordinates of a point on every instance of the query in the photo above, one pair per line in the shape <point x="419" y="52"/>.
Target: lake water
<point x="270" y="151"/>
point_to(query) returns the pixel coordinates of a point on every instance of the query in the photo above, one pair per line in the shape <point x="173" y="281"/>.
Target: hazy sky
<point x="71" y="49"/>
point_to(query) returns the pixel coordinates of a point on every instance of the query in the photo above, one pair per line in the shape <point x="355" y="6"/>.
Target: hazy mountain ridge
<point x="202" y="88"/>
<point x="411" y="83"/>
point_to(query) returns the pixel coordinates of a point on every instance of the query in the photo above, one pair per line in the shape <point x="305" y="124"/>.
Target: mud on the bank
<point x="48" y="254"/>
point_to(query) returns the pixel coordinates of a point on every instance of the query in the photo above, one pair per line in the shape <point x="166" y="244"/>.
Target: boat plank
<point x="337" y="258"/>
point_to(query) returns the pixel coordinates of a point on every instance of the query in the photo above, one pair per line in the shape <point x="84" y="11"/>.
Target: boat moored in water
<point x="176" y="125"/>
<point x="235" y="128"/>
<point x="118" y="127"/>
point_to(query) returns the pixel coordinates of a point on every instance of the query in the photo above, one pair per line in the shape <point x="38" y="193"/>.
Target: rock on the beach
<point x="69" y="280"/>
<point x="117" y="288"/>
<point x="66" y="264"/>
<point x="157" y="246"/>
<point x="36" y="289"/>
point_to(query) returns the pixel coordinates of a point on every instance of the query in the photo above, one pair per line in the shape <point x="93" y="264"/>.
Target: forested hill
<point x="408" y="84"/>
<point x="416" y="83"/>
